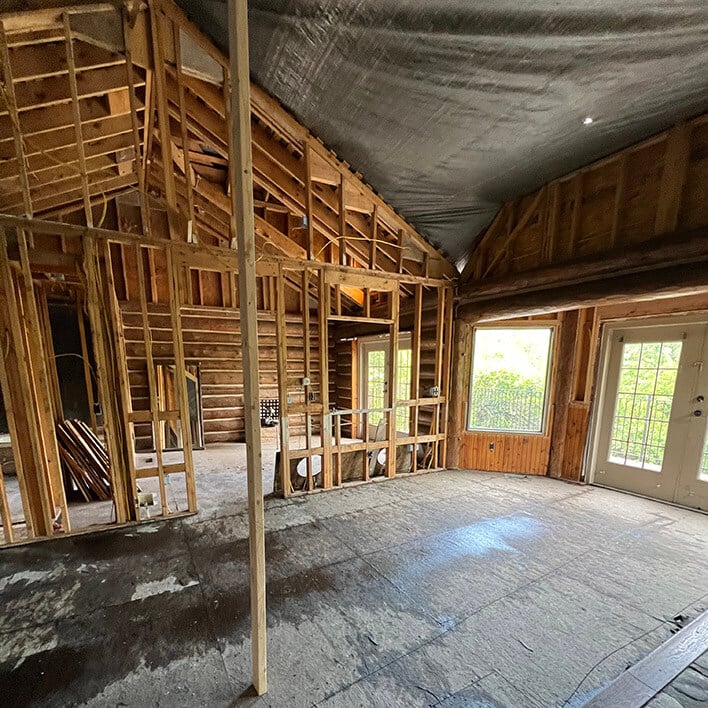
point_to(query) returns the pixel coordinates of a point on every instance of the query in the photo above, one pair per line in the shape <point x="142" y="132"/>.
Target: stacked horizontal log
<point x="212" y="340"/>
<point x="84" y="460"/>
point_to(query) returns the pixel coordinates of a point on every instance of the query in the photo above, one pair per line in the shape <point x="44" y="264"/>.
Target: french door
<point x="374" y="355"/>
<point x="652" y="415"/>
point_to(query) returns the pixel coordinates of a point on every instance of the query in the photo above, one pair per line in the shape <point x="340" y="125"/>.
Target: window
<point x="643" y="406"/>
<point x="376" y="383"/>
<point x="510" y="373"/>
<point x="703" y="470"/>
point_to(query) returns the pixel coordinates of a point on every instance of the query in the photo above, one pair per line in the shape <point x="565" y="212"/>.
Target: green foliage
<point x="505" y="400"/>
<point x="643" y="404"/>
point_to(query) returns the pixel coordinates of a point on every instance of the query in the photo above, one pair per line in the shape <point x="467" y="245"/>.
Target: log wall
<point x="212" y="340"/>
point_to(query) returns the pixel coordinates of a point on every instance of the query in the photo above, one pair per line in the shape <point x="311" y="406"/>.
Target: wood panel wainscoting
<point x="503" y="452"/>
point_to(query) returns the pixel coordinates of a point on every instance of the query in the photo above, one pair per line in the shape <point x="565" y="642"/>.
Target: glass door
<point x="652" y="429"/>
<point x="374" y="373"/>
<point x="692" y="489"/>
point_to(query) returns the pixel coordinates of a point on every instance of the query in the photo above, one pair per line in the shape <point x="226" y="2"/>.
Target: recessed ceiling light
<point x="587" y="121"/>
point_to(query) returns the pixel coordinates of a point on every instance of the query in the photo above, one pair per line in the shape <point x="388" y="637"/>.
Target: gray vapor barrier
<point x="449" y="107"/>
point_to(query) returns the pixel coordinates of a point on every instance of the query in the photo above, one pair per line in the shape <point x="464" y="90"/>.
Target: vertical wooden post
<point x="562" y="387"/>
<point x="394" y="296"/>
<point x="243" y="230"/>
<point x="459" y="391"/>
<point x="175" y="290"/>
<point x="23" y="412"/>
<point x="307" y="371"/>
<point x="323" y="310"/>
<point x="446" y="372"/>
<point x="281" y="338"/>
<point x="152" y="386"/>
<point x="110" y="388"/>
<point x="85" y="358"/>
<point x="415" y="372"/>
<point x="439" y="346"/>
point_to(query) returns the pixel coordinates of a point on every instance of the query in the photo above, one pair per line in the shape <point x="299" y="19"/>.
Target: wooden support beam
<point x="647" y="285"/>
<point x="677" y="248"/>
<point x="243" y="229"/>
<point x="137" y="144"/>
<point x="184" y="133"/>
<point x="163" y="116"/>
<point x="71" y="63"/>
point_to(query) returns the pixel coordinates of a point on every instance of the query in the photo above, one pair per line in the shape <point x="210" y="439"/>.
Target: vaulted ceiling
<point x="449" y="108"/>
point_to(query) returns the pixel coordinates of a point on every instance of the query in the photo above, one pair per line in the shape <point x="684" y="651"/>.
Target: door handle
<point x="698" y="413"/>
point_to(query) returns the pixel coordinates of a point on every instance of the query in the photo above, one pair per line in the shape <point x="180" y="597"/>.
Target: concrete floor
<point x="451" y="589"/>
<point x="220" y="478"/>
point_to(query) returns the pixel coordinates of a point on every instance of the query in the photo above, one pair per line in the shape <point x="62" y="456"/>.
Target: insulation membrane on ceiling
<point x="450" y="107"/>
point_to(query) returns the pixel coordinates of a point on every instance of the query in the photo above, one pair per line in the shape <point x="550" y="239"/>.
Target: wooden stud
<point x="415" y="371"/>
<point x="441" y="312"/>
<point x="446" y="373"/>
<point x="394" y="305"/>
<point x="282" y="364"/>
<point x="9" y="99"/>
<point x="309" y="247"/>
<point x="323" y="310"/>
<point x="146" y="227"/>
<point x="88" y="380"/>
<point x="71" y="63"/>
<point x="8" y="387"/>
<point x="152" y="387"/>
<point x="185" y="132"/>
<point x="243" y="227"/>
<point x="163" y="117"/>
<point x="116" y="434"/>
<point x="181" y="375"/>
<point x="307" y="371"/>
<point x="36" y="475"/>
<point x="116" y="358"/>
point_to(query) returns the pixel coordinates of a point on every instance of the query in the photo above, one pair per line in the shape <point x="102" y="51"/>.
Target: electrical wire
<point x="78" y="356"/>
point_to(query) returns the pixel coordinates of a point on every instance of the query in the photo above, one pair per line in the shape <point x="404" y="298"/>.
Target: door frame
<point x="405" y="341"/>
<point x="598" y="404"/>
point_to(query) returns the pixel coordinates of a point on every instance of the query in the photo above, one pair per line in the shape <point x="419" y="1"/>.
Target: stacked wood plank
<point x="84" y="460"/>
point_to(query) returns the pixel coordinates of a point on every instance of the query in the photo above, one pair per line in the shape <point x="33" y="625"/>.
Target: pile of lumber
<point x="85" y="460"/>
